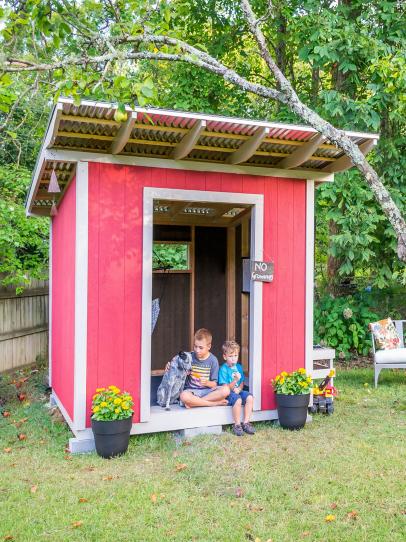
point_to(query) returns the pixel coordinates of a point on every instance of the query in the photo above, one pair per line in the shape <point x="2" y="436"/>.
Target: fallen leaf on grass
<point x="68" y="457"/>
<point x="239" y="492"/>
<point x="90" y="468"/>
<point x="8" y="537"/>
<point x="305" y="533"/>
<point x="33" y="489"/>
<point x="330" y="517"/>
<point x="186" y="443"/>
<point x="6" y="414"/>
<point x="254" y="507"/>
<point x="8" y="450"/>
<point x="180" y="466"/>
<point x="82" y="499"/>
<point x="333" y="505"/>
<point x="21" y="396"/>
<point x="352" y="515"/>
<point x="20" y="422"/>
<point x="107" y="478"/>
<point x="22" y="436"/>
<point x="77" y="524"/>
<point x="154" y="498"/>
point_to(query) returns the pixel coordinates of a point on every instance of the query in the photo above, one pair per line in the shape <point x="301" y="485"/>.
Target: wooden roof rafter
<point x="198" y="141"/>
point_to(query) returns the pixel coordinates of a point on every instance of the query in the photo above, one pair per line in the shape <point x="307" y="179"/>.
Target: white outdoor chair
<point x="390" y="359"/>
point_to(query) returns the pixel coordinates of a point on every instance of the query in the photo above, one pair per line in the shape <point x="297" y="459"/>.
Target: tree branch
<point x="331" y="133"/>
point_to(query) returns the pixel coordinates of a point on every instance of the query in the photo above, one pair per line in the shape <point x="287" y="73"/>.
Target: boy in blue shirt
<point x="231" y="374"/>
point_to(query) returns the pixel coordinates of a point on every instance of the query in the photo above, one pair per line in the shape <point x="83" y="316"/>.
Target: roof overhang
<point x="179" y="140"/>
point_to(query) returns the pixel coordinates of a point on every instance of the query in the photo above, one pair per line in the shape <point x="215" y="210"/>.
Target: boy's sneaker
<point x="248" y="428"/>
<point x="237" y="430"/>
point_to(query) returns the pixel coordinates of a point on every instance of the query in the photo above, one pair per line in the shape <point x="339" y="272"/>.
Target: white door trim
<point x="255" y="331"/>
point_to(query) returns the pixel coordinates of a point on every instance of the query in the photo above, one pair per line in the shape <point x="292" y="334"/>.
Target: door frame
<point x="256" y="253"/>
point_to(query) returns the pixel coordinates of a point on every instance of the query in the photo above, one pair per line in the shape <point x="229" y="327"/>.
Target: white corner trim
<point x="309" y="275"/>
<point x="81" y="279"/>
<point x="50" y="307"/>
<point x="63" y="411"/>
<point x="255" y="332"/>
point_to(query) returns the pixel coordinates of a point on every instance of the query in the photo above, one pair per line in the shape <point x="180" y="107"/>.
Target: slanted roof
<point x="182" y="140"/>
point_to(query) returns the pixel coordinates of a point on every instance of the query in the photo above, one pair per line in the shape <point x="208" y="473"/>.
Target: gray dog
<point x="174" y="379"/>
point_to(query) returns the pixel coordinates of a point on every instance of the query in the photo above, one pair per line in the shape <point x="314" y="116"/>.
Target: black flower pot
<point x="292" y="410"/>
<point x="112" y="437"/>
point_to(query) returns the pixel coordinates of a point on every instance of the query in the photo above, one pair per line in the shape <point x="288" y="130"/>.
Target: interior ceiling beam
<point x="344" y="163"/>
<point x="123" y="134"/>
<point x="302" y="154"/>
<point x="248" y="148"/>
<point x="185" y="146"/>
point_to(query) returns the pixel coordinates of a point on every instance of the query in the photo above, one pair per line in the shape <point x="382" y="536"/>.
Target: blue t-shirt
<point x="206" y="368"/>
<point x="226" y="374"/>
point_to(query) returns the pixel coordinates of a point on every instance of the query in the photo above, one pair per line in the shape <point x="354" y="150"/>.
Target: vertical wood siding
<point x="63" y="298"/>
<point x="115" y="270"/>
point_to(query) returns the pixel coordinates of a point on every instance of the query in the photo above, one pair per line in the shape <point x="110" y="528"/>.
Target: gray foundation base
<point x="195" y="431"/>
<point x="81" y="446"/>
<point x="52" y="401"/>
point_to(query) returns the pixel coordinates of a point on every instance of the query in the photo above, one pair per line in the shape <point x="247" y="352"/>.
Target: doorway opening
<point x="197" y="248"/>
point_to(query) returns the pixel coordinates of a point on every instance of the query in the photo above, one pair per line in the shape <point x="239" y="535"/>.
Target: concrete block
<point x="194" y="431"/>
<point x="52" y="402"/>
<point x="81" y="446"/>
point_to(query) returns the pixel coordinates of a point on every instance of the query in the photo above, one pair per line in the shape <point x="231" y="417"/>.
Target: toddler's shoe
<point x="237" y="430"/>
<point x="248" y="428"/>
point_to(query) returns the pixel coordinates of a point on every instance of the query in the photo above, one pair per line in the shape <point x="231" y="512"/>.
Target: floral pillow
<point x="385" y="334"/>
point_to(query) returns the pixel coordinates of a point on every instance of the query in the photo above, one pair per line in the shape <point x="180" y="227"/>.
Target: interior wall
<point x="172" y="330"/>
<point x="210" y="284"/>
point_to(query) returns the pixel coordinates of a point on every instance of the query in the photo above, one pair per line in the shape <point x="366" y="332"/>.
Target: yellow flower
<point x="284" y="373"/>
<point x="95" y="396"/>
<point x="114" y="389"/>
<point x="309" y="379"/>
<point x="301" y="371"/>
<point x="100" y="389"/>
<point x="277" y="377"/>
<point x="117" y="410"/>
<point x="332" y="373"/>
<point x="281" y="381"/>
<point x="103" y="404"/>
<point x="117" y="401"/>
<point x="125" y="406"/>
<point x="96" y="408"/>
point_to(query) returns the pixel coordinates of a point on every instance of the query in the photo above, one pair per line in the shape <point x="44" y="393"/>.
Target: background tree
<point x="345" y="59"/>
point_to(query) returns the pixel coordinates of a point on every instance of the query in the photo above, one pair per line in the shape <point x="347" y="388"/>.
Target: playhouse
<point x="228" y="193"/>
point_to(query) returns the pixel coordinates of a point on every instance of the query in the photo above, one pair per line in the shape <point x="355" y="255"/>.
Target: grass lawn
<point x="277" y="485"/>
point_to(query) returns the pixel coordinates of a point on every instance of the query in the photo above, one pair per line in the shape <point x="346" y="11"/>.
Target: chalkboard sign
<point x="262" y="271"/>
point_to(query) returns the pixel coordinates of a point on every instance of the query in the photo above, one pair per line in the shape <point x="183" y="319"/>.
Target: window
<point x="170" y="256"/>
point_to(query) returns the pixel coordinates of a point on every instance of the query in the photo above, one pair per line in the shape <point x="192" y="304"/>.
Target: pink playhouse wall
<point x="63" y="299"/>
<point x="115" y="271"/>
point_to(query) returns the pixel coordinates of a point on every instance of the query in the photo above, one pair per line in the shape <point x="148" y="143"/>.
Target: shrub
<point x="342" y="323"/>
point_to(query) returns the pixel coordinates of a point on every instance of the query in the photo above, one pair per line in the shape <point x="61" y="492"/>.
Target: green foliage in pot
<point x="295" y="383"/>
<point x="342" y="323"/>
<point x="110" y="404"/>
